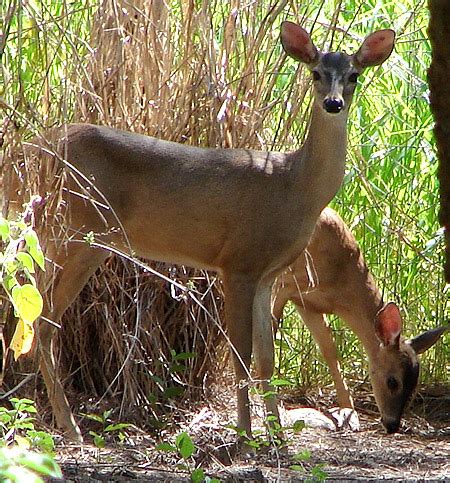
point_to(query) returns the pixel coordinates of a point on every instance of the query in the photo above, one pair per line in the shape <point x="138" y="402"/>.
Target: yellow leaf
<point x="22" y="338"/>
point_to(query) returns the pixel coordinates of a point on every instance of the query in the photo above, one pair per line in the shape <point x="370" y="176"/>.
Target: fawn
<point x="331" y="277"/>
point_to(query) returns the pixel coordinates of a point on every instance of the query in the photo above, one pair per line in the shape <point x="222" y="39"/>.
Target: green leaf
<point x="24" y="404"/>
<point x="26" y="261"/>
<point x="106" y="414"/>
<point x="183" y="356"/>
<point x="299" y="426"/>
<point x="116" y="427"/>
<point x="4" y="229"/>
<point x="166" y="447"/>
<point x="303" y="455"/>
<point x="185" y="445"/>
<point x="198" y="475"/>
<point x="296" y="468"/>
<point x="23" y="425"/>
<point x="174" y="368"/>
<point x="42" y="440"/>
<point x="27" y="301"/>
<point x="9" y="282"/>
<point x="93" y="417"/>
<point x="280" y="382"/>
<point x="318" y="473"/>
<point x="34" y="248"/>
<point x="16" y="473"/>
<point x="172" y="392"/>
<point x="99" y="440"/>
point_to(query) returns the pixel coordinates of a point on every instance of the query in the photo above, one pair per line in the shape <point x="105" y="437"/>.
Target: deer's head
<point x="335" y="73"/>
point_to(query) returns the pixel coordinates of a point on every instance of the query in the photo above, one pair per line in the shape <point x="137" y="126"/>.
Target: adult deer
<point x="331" y="277"/>
<point x="245" y="214"/>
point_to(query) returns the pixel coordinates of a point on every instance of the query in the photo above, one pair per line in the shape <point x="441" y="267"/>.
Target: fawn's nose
<point x="391" y="426"/>
<point x="333" y="105"/>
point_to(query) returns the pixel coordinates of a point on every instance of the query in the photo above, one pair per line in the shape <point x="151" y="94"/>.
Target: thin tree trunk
<point x="438" y="79"/>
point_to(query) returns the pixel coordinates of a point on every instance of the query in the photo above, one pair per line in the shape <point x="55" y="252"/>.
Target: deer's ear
<point x="388" y="325"/>
<point x="297" y="43"/>
<point x="375" y="49"/>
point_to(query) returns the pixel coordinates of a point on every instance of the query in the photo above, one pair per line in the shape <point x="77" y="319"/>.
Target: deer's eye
<point x="316" y="75"/>
<point x="392" y="383"/>
<point x="353" y="77"/>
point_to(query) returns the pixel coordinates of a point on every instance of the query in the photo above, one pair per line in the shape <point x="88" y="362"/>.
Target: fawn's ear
<point x="297" y="43"/>
<point x="375" y="49"/>
<point x="388" y="325"/>
<point x="424" y="341"/>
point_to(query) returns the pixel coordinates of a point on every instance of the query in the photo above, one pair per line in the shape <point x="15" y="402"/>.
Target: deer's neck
<point x="321" y="160"/>
<point x="361" y="318"/>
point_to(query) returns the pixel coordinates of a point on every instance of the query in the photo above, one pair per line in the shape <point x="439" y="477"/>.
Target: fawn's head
<point x="395" y="370"/>
<point x="335" y="73"/>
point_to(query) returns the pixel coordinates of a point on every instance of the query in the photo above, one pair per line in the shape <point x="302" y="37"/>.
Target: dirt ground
<point x="420" y="452"/>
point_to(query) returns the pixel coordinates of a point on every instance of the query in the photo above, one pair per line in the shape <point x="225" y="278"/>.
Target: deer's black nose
<point x="333" y="105"/>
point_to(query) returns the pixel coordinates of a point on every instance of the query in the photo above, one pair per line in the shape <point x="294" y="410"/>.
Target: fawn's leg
<point x="321" y="333"/>
<point x="79" y="262"/>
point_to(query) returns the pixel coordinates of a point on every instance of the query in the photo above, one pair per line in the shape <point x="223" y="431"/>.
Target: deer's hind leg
<point x="263" y="343"/>
<point x="239" y="292"/>
<point x="78" y="262"/>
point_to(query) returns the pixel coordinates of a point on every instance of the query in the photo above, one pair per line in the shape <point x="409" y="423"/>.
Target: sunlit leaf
<point x="34" y="248"/>
<point x="185" y="445"/>
<point x="22" y="339"/>
<point x="26" y="260"/>
<point x="4" y="228"/>
<point x="27" y="302"/>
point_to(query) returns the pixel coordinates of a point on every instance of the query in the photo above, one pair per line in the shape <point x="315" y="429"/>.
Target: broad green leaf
<point x="20" y="403"/>
<point x="24" y="425"/>
<point x="26" y="260"/>
<point x="198" y="475"/>
<point x="16" y="474"/>
<point x="27" y="301"/>
<point x="185" y="445"/>
<point x="166" y="447"/>
<point x="172" y="392"/>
